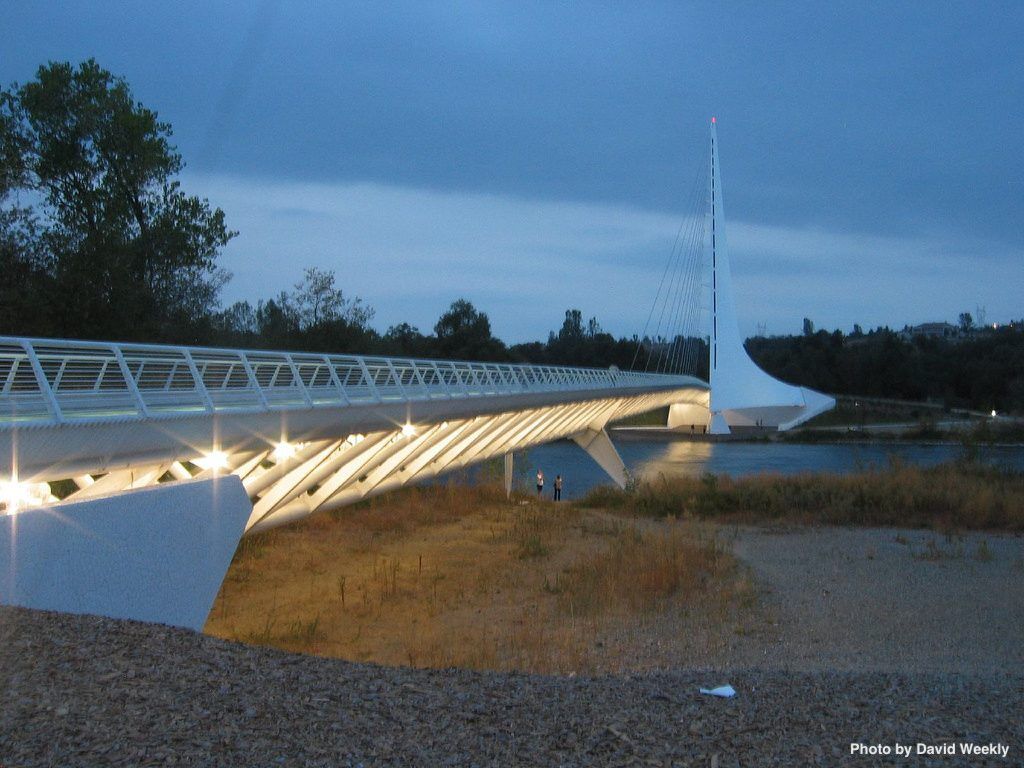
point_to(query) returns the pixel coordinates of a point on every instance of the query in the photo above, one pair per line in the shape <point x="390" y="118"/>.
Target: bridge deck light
<point x="16" y="496"/>
<point x="284" y="451"/>
<point x="408" y="430"/>
<point x="213" y="460"/>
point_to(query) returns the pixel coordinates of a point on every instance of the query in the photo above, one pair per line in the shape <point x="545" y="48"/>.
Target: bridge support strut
<point x="508" y="475"/>
<point x="601" y="449"/>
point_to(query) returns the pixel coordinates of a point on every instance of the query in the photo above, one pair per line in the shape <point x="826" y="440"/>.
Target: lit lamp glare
<point x="16" y="496"/>
<point x="283" y="451"/>
<point x="408" y="430"/>
<point x="213" y="460"/>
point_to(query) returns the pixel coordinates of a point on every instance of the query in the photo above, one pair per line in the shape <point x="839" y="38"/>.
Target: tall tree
<point x="463" y="332"/>
<point x="318" y="301"/>
<point x="405" y="340"/>
<point x="572" y="326"/>
<point x="122" y="250"/>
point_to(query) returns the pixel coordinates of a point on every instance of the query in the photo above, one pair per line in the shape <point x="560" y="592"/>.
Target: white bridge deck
<point x="304" y="431"/>
<point x="47" y="382"/>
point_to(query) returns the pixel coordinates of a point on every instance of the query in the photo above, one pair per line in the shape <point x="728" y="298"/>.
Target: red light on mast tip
<point x="712" y="119"/>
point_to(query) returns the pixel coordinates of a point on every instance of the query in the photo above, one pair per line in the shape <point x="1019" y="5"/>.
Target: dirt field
<point x="85" y="691"/>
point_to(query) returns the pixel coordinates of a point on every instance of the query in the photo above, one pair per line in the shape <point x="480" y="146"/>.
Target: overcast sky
<point x="537" y="156"/>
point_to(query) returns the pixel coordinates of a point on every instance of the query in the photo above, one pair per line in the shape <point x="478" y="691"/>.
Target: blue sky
<point x="537" y="156"/>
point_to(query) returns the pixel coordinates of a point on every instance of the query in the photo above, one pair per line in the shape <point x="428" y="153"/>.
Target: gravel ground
<point x="862" y="599"/>
<point x="85" y="691"/>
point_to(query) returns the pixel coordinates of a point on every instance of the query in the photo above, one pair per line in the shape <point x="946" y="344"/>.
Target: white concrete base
<point x="719" y="426"/>
<point x="774" y="417"/>
<point x="156" y="554"/>
<point x="693" y="416"/>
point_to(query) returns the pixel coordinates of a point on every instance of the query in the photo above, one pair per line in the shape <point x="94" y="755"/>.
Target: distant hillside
<point x="983" y="370"/>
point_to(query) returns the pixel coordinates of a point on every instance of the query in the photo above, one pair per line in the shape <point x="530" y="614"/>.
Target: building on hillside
<point x="941" y="330"/>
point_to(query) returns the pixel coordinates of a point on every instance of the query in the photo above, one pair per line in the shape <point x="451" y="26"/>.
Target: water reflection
<point x="649" y="459"/>
<point x="739" y="459"/>
<point x="682" y="458"/>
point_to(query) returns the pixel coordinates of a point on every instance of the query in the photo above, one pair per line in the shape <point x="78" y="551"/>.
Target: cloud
<point x="841" y="278"/>
<point x="409" y="252"/>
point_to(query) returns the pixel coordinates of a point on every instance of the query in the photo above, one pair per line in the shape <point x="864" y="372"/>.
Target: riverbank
<point x="679" y="573"/>
<point x="976" y="433"/>
<point x="969" y="435"/>
<point x="962" y="495"/>
<point x="853" y="420"/>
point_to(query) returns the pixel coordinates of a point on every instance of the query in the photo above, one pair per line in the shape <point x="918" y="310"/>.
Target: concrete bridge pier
<point x="509" y="474"/>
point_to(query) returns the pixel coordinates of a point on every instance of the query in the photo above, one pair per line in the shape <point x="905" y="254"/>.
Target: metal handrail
<point x="60" y="381"/>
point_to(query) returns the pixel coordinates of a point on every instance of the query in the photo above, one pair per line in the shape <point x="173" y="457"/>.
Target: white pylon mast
<point x="713" y="351"/>
<point x="741" y="393"/>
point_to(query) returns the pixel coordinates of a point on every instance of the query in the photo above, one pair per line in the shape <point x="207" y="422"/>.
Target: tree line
<point x="982" y="371"/>
<point x="317" y="316"/>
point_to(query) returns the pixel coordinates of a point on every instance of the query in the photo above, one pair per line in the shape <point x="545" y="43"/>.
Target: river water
<point x="650" y="458"/>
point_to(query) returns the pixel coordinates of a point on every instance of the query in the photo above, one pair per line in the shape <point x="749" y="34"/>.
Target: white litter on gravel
<point x="724" y="691"/>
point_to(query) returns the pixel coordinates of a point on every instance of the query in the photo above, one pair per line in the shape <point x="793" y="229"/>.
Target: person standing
<point x="558" y="487"/>
<point x="540" y="482"/>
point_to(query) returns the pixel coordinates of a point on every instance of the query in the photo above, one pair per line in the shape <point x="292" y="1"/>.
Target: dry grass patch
<point x="639" y="572"/>
<point x="459" y="577"/>
<point x="949" y="497"/>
